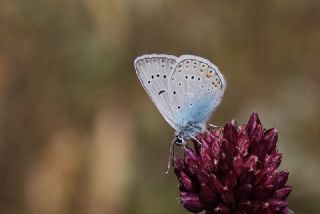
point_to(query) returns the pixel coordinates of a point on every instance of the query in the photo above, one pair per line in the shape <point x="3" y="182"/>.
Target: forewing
<point x="197" y="87"/>
<point x="153" y="72"/>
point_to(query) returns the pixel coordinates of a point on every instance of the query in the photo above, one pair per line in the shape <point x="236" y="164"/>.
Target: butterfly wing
<point x="196" y="86"/>
<point x="153" y="72"/>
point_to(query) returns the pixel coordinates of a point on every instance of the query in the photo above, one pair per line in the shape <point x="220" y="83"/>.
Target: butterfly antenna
<point x="171" y="155"/>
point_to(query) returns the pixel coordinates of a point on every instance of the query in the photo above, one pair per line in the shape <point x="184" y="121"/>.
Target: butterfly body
<point x="186" y="90"/>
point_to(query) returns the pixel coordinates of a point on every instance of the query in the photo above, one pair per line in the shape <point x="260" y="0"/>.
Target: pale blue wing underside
<point x="186" y="90"/>
<point x="153" y="72"/>
<point x="196" y="87"/>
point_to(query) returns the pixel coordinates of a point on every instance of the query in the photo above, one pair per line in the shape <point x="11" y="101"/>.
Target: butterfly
<point x="186" y="90"/>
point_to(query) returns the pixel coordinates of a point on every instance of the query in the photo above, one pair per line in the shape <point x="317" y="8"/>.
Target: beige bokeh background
<point x="78" y="133"/>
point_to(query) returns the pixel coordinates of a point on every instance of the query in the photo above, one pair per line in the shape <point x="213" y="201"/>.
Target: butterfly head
<point x="180" y="141"/>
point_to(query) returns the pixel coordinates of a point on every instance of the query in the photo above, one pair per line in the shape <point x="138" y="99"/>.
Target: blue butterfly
<point x="186" y="90"/>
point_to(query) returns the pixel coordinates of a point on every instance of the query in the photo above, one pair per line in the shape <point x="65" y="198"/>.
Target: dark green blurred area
<point x="78" y="134"/>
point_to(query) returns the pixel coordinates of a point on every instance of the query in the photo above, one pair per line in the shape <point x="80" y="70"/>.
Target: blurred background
<point x="78" y="133"/>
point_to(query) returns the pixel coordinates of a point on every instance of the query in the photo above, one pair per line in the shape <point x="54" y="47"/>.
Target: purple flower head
<point x="235" y="170"/>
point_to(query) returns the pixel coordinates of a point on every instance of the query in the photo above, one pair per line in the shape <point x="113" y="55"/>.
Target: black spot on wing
<point x="160" y="92"/>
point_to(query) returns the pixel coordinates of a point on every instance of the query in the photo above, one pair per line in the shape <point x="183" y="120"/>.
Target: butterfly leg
<point x="209" y="133"/>
<point x="213" y="126"/>
<point x="193" y="138"/>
